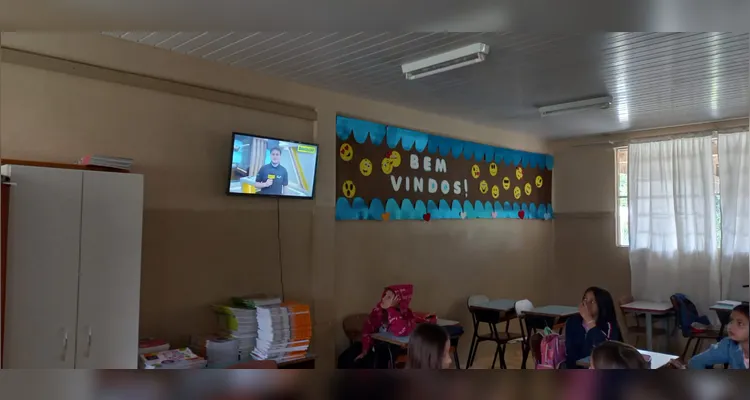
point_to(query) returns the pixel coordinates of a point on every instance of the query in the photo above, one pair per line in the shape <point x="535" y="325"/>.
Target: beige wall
<point x="201" y="246"/>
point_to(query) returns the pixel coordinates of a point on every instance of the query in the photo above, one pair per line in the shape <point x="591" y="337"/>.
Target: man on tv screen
<point x="272" y="178"/>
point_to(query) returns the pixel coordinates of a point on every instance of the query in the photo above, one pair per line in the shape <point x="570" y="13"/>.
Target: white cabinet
<point x="73" y="268"/>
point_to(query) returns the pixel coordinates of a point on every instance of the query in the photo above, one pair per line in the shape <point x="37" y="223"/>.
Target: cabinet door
<point x="109" y="289"/>
<point x="44" y="225"/>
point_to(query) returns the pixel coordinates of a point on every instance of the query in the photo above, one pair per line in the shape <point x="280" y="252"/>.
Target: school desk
<point x="403" y="341"/>
<point x="658" y="360"/>
<point x="649" y="309"/>
<point x="492" y="313"/>
<point x="551" y="316"/>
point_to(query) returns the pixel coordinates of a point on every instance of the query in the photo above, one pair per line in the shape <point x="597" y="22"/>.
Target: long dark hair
<point x="606" y="306"/>
<point x="427" y="347"/>
<point x="617" y="355"/>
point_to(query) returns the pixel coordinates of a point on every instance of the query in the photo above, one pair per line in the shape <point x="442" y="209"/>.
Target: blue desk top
<point x="498" y="304"/>
<point x="554" y="311"/>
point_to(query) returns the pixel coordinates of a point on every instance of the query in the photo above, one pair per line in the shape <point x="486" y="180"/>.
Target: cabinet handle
<point x="65" y="345"/>
<point x="88" y="344"/>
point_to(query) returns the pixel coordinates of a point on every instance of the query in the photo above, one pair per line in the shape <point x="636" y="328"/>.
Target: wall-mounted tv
<point x="272" y="167"/>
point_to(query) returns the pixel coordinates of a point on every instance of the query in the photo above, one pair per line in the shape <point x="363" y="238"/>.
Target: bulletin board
<point x="389" y="173"/>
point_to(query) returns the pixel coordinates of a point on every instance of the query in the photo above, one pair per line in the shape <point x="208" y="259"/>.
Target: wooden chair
<point x="353" y="327"/>
<point x="637" y="330"/>
<point x="700" y="336"/>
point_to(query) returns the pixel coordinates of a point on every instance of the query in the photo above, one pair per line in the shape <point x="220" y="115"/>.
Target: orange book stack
<point x="284" y="332"/>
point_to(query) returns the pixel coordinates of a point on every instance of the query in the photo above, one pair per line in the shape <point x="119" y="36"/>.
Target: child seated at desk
<point x="595" y="323"/>
<point x="733" y="349"/>
<point x="429" y="348"/>
<point x="617" y="355"/>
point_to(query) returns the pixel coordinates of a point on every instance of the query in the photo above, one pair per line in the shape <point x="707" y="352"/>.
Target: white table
<point x="658" y="360"/>
<point x="447" y="322"/>
<point x="648" y="308"/>
<point x="502" y="305"/>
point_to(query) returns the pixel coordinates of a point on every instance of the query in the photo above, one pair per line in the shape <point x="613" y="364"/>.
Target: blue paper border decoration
<point x="408" y="139"/>
<point x="357" y="210"/>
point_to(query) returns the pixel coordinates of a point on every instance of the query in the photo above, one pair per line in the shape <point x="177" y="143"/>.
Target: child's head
<point x="738" y="325"/>
<point x="429" y="348"/>
<point x="600" y="304"/>
<point x="617" y="355"/>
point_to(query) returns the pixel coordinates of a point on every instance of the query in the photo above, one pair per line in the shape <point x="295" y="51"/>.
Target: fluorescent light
<point x="467" y="55"/>
<point x="574" y="106"/>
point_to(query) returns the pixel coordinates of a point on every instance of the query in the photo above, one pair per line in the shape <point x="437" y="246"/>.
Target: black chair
<point x="699" y="336"/>
<point x="481" y="316"/>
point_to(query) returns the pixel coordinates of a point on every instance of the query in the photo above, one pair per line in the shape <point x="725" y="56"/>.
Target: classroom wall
<point x="201" y="246"/>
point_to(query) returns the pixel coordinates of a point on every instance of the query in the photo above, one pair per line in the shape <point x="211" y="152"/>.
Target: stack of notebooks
<point x="284" y="332"/>
<point x="172" y="359"/>
<point x="254" y="301"/>
<point x="108" y="162"/>
<point x="240" y="324"/>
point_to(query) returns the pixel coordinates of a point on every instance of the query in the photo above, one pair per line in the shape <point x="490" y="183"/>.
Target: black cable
<point x="278" y="237"/>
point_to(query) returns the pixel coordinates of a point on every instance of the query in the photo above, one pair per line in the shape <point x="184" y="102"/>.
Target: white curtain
<point x="734" y="174"/>
<point x="672" y="221"/>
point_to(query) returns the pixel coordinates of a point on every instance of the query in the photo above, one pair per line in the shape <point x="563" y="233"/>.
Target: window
<point x="621" y="163"/>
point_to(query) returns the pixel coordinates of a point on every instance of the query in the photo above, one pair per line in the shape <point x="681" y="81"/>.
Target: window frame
<point x="619" y="197"/>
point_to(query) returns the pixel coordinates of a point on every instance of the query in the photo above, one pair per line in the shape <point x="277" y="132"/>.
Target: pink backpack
<point x="552" y="352"/>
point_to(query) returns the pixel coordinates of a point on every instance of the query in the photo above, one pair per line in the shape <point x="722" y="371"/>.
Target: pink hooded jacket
<point x="399" y="321"/>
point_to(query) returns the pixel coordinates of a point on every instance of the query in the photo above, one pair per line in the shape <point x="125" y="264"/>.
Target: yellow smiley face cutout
<point x="365" y="167"/>
<point x="493" y="169"/>
<point x="506" y="183"/>
<point x="349" y="189"/>
<point x="483" y="187"/>
<point x="395" y="158"/>
<point x="495" y="191"/>
<point x="519" y="173"/>
<point x="517" y="192"/>
<point x="387" y="166"/>
<point x="539" y="181"/>
<point x="475" y="171"/>
<point x="346" y="151"/>
<point x="527" y="189"/>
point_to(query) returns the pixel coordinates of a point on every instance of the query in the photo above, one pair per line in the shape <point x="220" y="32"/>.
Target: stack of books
<point x="151" y="345"/>
<point x="240" y="324"/>
<point x="172" y="359"/>
<point x="284" y="332"/>
<point x="254" y="301"/>
<point x="108" y="162"/>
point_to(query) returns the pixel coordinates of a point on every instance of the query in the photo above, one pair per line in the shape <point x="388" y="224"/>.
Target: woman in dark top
<point x="595" y="323"/>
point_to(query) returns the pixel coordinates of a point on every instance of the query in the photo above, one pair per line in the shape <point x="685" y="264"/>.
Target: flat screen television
<point x="264" y="166"/>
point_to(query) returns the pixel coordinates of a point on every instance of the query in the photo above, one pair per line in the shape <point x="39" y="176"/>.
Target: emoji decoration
<point x="349" y="189"/>
<point x="506" y="183"/>
<point x="389" y="173"/>
<point x="346" y="151"/>
<point x="475" y="171"/>
<point x="483" y="187"/>
<point x="365" y="167"/>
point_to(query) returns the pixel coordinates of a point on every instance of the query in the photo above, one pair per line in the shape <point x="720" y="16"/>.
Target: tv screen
<point x="272" y="167"/>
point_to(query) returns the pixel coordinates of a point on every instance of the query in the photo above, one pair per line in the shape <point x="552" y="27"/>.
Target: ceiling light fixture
<point x="461" y="57"/>
<point x="602" y="103"/>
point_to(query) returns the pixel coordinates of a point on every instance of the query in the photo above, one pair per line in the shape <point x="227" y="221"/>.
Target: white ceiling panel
<point x="655" y="79"/>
